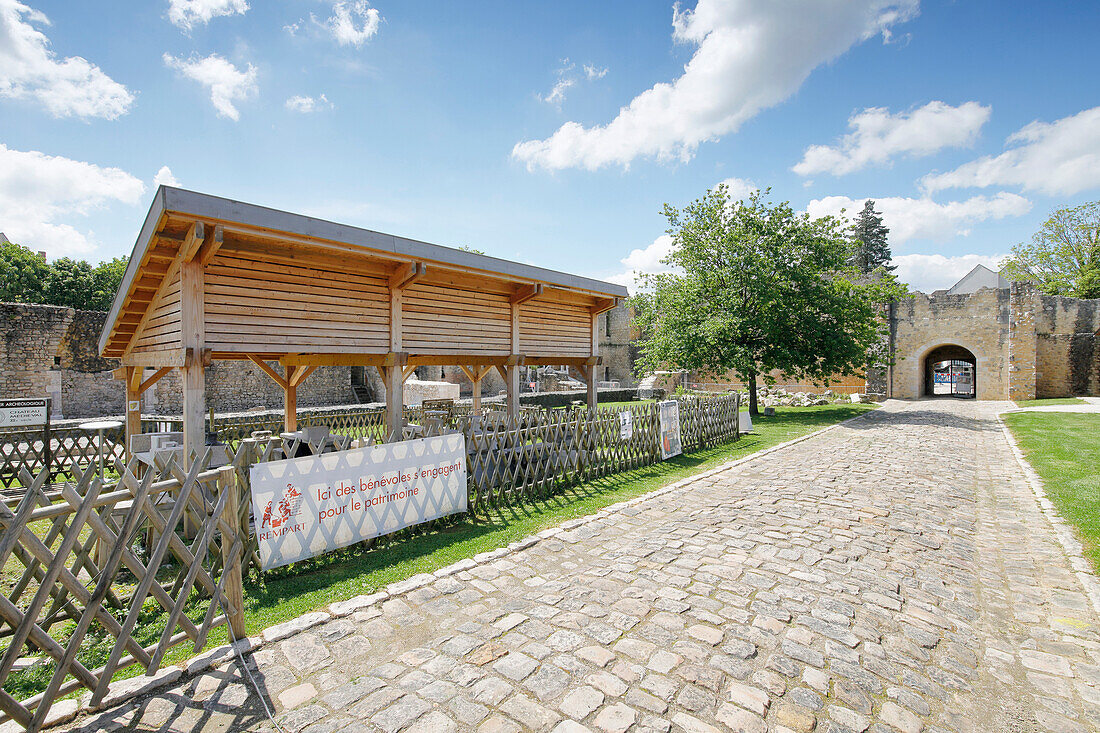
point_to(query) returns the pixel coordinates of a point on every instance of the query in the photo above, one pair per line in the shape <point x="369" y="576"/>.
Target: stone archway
<point x="949" y="370"/>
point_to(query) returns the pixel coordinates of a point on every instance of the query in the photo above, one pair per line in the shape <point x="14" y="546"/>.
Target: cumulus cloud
<point x="1058" y="158"/>
<point x="188" y="13"/>
<point x="928" y="273"/>
<point x="923" y="218"/>
<point x="878" y="136"/>
<point x="64" y="86"/>
<point x="226" y="82"/>
<point x="740" y="188"/>
<point x="305" y="105"/>
<point x="38" y="192"/>
<point x="645" y="260"/>
<point x="164" y="177"/>
<point x="353" y="23"/>
<point x="750" y="55"/>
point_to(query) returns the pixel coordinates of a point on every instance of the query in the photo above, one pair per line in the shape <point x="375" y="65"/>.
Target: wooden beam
<point x="193" y="337"/>
<point x="167" y="358"/>
<point x="395" y="408"/>
<point x="593" y="393"/>
<point x="290" y="399"/>
<point x="211" y="245"/>
<point x="406" y="372"/>
<point x="577" y="361"/>
<point x="133" y="406"/>
<point x="526" y="293"/>
<point x="157" y="376"/>
<point x="408" y="274"/>
<point x="512" y="382"/>
<point x="301" y="375"/>
<point x="376" y="360"/>
<point x="603" y="305"/>
<point x="192" y="242"/>
<point x="476" y="374"/>
<point x="275" y="376"/>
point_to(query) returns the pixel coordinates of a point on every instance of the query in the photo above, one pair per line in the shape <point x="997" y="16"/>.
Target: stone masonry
<point x="893" y="574"/>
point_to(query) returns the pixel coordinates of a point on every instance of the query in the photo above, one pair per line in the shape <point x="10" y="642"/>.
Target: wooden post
<point x="193" y="327"/>
<point x="290" y="400"/>
<point x="231" y="567"/>
<point x="133" y="406"/>
<point x="393" y="377"/>
<point x="593" y="395"/>
<point x="477" y="392"/>
<point x="513" y="392"/>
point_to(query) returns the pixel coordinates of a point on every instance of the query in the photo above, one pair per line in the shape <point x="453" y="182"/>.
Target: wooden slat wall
<point x="443" y="319"/>
<point x="262" y="302"/>
<point x="162" y="330"/>
<point x="548" y="327"/>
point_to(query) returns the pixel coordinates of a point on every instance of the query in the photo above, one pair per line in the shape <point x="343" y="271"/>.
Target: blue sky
<point x="551" y="133"/>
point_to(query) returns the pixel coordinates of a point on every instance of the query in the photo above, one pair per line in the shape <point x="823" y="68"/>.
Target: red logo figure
<point x="288" y="506"/>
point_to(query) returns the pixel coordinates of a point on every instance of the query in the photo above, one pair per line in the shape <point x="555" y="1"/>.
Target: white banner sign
<point x="626" y="426"/>
<point x="669" y="414"/>
<point x="308" y="506"/>
<point x="20" y="413"/>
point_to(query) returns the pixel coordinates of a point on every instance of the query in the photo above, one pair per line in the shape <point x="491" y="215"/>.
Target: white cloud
<point x="1058" y="158"/>
<point x="65" y="87"/>
<point x="187" y="13"/>
<point x="305" y="105"/>
<point x="740" y="188"/>
<point x="557" y="94"/>
<point x="928" y="273"/>
<point x="879" y="136"/>
<point x="226" y="82"/>
<point x="750" y="55"/>
<point x="923" y="218"/>
<point x="646" y="260"/>
<point x="353" y="23"/>
<point x="594" y="72"/>
<point x="38" y="190"/>
<point x="164" y="177"/>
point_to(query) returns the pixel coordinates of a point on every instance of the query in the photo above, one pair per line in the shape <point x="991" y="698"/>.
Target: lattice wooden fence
<point x="95" y="556"/>
<point x="26" y="450"/>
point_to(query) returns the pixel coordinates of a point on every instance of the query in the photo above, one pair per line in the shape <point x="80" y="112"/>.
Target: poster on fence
<point x="626" y="425"/>
<point x="669" y="414"/>
<point x="308" y="506"/>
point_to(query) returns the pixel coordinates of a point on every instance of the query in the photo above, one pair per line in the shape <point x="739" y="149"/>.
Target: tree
<point x="755" y="288"/>
<point x="69" y="284"/>
<point x="1063" y="257"/>
<point x="106" y="278"/>
<point x="870" y="248"/>
<point x="22" y="274"/>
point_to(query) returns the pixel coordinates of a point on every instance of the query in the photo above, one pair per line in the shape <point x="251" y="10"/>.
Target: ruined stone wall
<point x="235" y="386"/>
<point x="978" y="322"/>
<point x="1067" y="352"/>
<point x="617" y="346"/>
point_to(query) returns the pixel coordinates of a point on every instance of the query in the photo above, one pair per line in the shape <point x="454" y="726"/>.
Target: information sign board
<point x="21" y="413"/>
<point x="669" y="416"/>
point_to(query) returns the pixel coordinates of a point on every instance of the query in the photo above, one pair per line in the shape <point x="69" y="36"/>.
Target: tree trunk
<point x="754" y="409"/>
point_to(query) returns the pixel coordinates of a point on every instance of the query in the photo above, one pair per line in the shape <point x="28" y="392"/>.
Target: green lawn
<point x="1050" y="401"/>
<point x="285" y="593"/>
<point x="1064" y="449"/>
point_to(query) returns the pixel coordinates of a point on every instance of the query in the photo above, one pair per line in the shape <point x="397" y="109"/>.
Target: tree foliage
<point x="757" y="288"/>
<point x="870" y="249"/>
<point x="1063" y="257"/>
<point x="26" y="278"/>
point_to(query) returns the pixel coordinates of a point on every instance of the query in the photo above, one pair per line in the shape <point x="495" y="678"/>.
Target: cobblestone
<point x="892" y="574"/>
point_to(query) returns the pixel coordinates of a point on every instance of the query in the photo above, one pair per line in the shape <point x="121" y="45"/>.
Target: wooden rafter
<point x="526" y="293"/>
<point x="196" y="235"/>
<point x="603" y="305"/>
<point x="407" y="274"/>
<point x="275" y="376"/>
<point x="383" y="359"/>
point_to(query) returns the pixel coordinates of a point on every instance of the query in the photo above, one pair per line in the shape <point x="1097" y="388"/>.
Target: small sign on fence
<point x="669" y="414"/>
<point x="21" y="413"/>
<point x="308" y="506"/>
<point x="626" y="425"/>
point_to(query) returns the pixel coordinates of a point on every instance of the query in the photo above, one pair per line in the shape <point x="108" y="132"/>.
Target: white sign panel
<point x="669" y="414"/>
<point x="19" y="413"/>
<point x="626" y="426"/>
<point x="308" y="506"/>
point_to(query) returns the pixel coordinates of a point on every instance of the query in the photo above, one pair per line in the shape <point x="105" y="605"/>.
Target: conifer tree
<point x="870" y="248"/>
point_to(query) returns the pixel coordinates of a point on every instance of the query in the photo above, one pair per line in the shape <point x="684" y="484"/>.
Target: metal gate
<point x="953" y="377"/>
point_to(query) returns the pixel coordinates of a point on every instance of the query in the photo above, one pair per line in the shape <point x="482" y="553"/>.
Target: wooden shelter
<point x="211" y="278"/>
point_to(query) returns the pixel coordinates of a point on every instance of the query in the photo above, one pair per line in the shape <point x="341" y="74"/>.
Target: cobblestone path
<point x="893" y="574"/>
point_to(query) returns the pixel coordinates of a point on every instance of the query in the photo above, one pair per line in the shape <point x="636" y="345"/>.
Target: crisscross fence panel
<point x="85" y="566"/>
<point x="22" y="449"/>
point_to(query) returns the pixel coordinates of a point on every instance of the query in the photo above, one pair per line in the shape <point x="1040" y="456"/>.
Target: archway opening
<point x="950" y="371"/>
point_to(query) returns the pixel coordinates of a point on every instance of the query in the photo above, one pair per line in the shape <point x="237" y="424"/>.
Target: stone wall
<point x="1067" y="358"/>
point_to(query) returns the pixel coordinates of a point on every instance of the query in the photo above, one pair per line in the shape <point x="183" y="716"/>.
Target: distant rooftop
<point x="4" y="238"/>
<point x="978" y="278"/>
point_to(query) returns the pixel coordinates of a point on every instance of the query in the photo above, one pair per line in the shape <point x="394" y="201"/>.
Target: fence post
<point x="231" y="568"/>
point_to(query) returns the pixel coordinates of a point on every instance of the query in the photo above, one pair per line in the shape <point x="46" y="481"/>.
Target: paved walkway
<point x="894" y="574"/>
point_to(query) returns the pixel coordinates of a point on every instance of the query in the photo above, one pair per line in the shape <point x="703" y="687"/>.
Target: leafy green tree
<point x="22" y="274"/>
<point x="70" y="283"/>
<point x="756" y="288"/>
<point x="870" y="248"/>
<point x="1063" y="257"/>
<point x="106" y="277"/>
